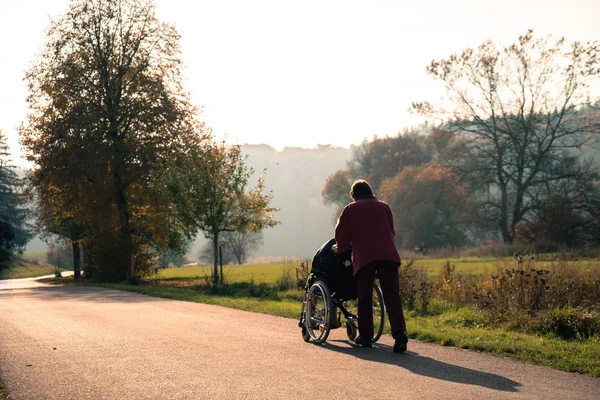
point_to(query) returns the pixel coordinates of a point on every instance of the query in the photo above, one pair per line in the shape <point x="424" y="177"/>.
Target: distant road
<point x="93" y="343"/>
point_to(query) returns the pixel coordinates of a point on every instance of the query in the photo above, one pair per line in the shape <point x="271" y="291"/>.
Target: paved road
<point x="92" y="343"/>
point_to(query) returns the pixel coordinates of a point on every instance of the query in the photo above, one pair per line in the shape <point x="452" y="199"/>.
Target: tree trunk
<point x="221" y="263"/>
<point x="215" y="257"/>
<point x="507" y="237"/>
<point x="87" y="267"/>
<point x="76" y="260"/>
<point x="123" y="209"/>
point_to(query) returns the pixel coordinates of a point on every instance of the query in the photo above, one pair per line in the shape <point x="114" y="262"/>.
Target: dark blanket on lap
<point x="336" y="271"/>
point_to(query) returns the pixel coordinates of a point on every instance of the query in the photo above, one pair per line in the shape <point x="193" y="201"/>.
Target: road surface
<point x="92" y="343"/>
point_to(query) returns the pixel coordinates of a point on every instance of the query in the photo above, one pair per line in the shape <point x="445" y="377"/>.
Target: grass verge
<point x="20" y="267"/>
<point x="446" y="328"/>
<point x="3" y="392"/>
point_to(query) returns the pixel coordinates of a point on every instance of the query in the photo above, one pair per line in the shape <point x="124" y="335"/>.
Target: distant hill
<point x="296" y="177"/>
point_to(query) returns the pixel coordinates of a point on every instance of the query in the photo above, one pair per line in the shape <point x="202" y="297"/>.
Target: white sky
<point x="308" y="72"/>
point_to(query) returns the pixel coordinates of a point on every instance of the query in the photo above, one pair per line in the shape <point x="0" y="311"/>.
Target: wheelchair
<point x="331" y="292"/>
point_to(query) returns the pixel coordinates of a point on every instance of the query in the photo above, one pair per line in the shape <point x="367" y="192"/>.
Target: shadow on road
<point x="82" y="293"/>
<point x="427" y="366"/>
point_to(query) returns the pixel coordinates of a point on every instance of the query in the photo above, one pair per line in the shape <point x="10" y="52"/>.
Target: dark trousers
<point x="387" y="271"/>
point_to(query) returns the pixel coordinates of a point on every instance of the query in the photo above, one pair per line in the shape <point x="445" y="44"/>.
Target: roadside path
<point x="71" y="342"/>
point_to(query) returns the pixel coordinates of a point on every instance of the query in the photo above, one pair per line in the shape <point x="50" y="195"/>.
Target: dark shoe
<point x="401" y="342"/>
<point x="363" y="343"/>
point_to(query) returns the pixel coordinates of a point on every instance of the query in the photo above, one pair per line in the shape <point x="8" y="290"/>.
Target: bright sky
<point x="306" y="72"/>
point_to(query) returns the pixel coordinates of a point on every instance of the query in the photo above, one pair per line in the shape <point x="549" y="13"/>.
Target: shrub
<point x="567" y="323"/>
<point x="407" y="275"/>
<point x="302" y="272"/>
<point x="286" y="281"/>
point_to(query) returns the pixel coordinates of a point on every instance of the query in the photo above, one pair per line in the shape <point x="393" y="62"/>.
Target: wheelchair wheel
<point x="351" y="331"/>
<point x="305" y="335"/>
<point x="318" y="306"/>
<point x="378" y="314"/>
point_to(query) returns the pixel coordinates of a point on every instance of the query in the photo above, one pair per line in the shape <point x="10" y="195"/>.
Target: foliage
<point x="14" y="228"/>
<point x="177" y="248"/>
<point x="376" y="161"/>
<point x="209" y="187"/>
<point x="108" y="114"/>
<point x="337" y="187"/>
<point x="429" y="207"/>
<point x="522" y="116"/>
<point x="384" y="158"/>
<point x="302" y="273"/>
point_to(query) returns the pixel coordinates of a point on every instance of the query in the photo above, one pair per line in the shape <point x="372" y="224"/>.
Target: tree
<point x="209" y="186"/>
<point x="15" y="231"/>
<point x="376" y="161"/>
<point x="54" y="219"/>
<point x="429" y="206"/>
<point x="108" y="114"/>
<point x="520" y="112"/>
<point x="243" y="244"/>
<point x="337" y="187"/>
<point x="566" y="212"/>
<point x="383" y="158"/>
<point x="180" y="240"/>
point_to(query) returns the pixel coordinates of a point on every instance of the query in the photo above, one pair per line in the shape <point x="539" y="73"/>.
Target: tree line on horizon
<point x="509" y="154"/>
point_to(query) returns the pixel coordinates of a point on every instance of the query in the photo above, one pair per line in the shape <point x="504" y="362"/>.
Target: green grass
<point x="3" y="392"/>
<point x="24" y="268"/>
<point x="448" y="329"/>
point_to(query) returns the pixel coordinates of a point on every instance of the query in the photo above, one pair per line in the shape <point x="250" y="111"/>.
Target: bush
<point x="302" y="272"/>
<point x="567" y="323"/>
<point x="286" y="281"/>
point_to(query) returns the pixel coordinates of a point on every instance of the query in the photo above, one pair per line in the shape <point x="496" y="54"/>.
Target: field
<point x="269" y="273"/>
<point x="259" y="273"/>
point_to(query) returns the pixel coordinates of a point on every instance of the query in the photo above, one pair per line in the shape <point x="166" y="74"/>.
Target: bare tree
<point x="524" y="114"/>
<point x="243" y="244"/>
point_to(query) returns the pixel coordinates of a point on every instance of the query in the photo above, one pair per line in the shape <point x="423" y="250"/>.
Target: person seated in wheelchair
<point x="335" y="269"/>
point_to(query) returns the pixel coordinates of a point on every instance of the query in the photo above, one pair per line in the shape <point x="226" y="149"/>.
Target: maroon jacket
<point x="367" y="224"/>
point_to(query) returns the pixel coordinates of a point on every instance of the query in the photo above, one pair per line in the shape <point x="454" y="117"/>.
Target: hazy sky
<point x="302" y="73"/>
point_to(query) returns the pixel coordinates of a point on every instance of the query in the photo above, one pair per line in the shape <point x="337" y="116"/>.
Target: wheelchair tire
<point x="351" y="331"/>
<point x="305" y="335"/>
<point x="378" y="313"/>
<point x="318" y="307"/>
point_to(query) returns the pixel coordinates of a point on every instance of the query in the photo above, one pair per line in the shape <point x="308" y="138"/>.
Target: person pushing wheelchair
<point x="368" y="225"/>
